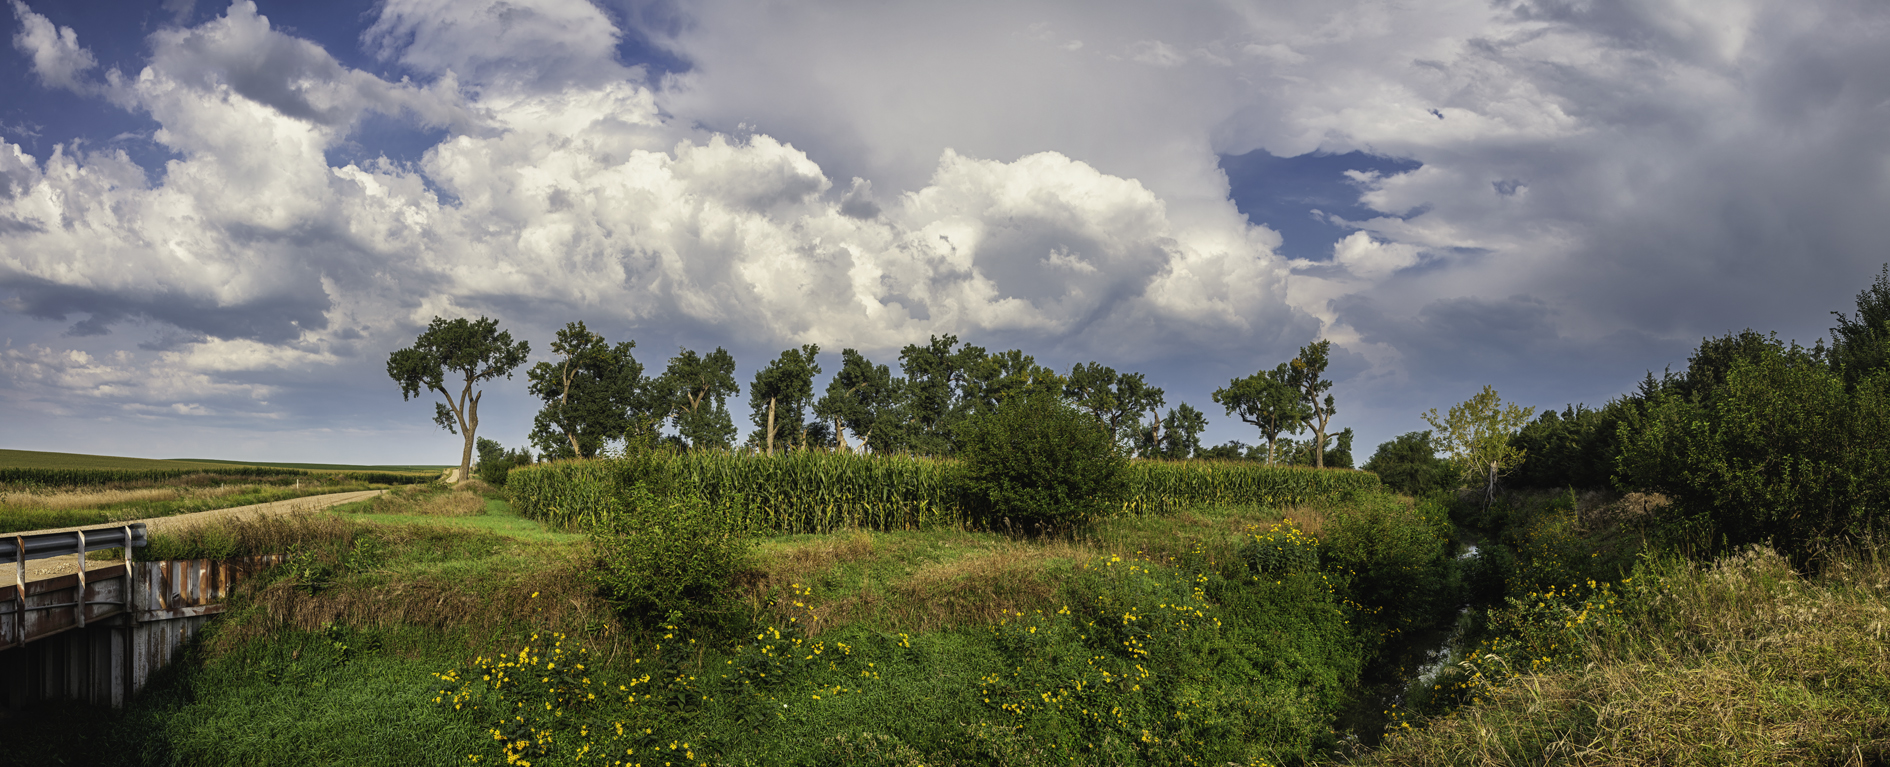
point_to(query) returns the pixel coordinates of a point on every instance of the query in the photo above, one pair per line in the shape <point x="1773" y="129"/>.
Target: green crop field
<point x="35" y="459"/>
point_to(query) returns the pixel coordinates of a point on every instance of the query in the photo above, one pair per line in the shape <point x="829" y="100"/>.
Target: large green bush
<point x="1037" y="466"/>
<point x="1782" y="451"/>
<point x="670" y="558"/>
<point x="1394" y="560"/>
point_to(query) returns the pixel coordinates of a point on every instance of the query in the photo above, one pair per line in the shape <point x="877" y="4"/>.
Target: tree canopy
<point x="1475" y="436"/>
<point x="594" y="393"/>
<point x="697" y="388"/>
<point x="1268" y="401"/>
<point x="469" y="351"/>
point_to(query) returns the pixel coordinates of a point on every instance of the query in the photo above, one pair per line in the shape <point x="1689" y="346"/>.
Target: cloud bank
<point x="1590" y="188"/>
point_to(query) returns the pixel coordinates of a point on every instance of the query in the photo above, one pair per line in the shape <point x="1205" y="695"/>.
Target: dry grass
<point x="905" y="584"/>
<point x="365" y="575"/>
<point x="93" y="498"/>
<point x="1744" y="662"/>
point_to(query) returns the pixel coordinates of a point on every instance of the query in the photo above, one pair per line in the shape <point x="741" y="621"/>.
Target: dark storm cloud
<point x="272" y="319"/>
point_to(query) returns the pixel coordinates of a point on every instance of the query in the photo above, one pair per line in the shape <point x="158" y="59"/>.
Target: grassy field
<point x="379" y="641"/>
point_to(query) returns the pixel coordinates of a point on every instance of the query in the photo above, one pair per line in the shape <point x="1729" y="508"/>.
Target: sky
<point x="217" y="221"/>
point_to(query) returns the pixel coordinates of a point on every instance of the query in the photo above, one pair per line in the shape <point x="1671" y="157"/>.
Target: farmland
<point x="40" y="490"/>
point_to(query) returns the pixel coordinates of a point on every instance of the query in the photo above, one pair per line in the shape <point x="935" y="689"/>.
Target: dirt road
<point x="48" y="568"/>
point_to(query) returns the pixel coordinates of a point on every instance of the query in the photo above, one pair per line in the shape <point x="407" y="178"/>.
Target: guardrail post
<point x="79" y="603"/>
<point x="19" y="588"/>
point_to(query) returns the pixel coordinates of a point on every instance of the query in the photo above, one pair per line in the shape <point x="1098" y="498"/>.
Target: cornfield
<point x="805" y="492"/>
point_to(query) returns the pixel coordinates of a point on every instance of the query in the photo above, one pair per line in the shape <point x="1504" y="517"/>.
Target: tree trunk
<point x="770" y="426"/>
<point x="564" y="397"/>
<point x="840" y="433"/>
<point x="1155" y="442"/>
<point x="469" y="424"/>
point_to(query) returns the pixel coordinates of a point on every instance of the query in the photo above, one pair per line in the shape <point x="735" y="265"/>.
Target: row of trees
<point x="594" y="392"/>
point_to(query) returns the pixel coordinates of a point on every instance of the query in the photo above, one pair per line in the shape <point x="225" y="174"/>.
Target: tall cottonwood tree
<point x="866" y="399"/>
<point x="698" y="387"/>
<point x="935" y="377"/>
<point x="1266" y="400"/>
<point x="1116" y="400"/>
<point x="992" y="378"/>
<point x="471" y="352"/>
<point x="593" y="393"/>
<point x="1180" y="433"/>
<point x="779" y="398"/>
<point x="1307" y="375"/>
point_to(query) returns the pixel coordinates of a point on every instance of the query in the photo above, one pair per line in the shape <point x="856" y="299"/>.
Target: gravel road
<point x="47" y="568"/>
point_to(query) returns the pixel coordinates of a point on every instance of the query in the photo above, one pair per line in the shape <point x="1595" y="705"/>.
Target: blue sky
<point x="217" y="220"/>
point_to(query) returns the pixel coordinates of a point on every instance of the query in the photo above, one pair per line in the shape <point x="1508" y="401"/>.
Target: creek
<point x="1404" y="663"/>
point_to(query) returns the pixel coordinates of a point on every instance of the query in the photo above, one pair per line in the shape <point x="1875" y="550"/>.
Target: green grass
<point x="495" y="517"/>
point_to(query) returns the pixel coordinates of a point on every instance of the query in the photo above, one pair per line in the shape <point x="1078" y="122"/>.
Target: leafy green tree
<point x="1180" y="433"/>
<point x="866" y="399"/>
<point x="1573" y="448"/>
<point x="935" y="378"/>
<point x="593" y="393"/>
<point x="1475" y="437"/>
<point x="1306" y="374"/>
<point x="780" y="396"/>
<point x="698" y="388"/>
<point x="1266" y="400"/>
<point x="1038" y="466"/>
<point x="1232" y="450"/>
<point x="473" y="351"/>
<point x="1860" y="344"/>
<point x="990" y="379"/>
<point x="1340" y="456"/>
<point x="1116" y="400"/>
<point x="1409" y="465"/>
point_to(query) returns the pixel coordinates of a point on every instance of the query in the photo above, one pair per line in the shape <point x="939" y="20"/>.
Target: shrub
<point x="671" y="558"/>
<point x="1037" y="465"/>
<point x="1282" y="549"/>
<point x="1394" y="558"/>
<point x="496" y="462"/>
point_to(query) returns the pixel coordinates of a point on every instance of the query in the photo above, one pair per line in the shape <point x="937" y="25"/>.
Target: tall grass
<point x="807" y="492"/>
<point x="1743" y="661"/>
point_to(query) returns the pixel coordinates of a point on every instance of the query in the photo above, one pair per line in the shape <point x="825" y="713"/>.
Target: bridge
<point x="97" y="635"/>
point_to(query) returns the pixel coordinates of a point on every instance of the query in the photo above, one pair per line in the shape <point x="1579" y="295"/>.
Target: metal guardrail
<point x="20" y="548"/>
<point x="49" y="545"/>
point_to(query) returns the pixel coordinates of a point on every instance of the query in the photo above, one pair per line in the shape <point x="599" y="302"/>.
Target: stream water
<point x="1404" y="663"/>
